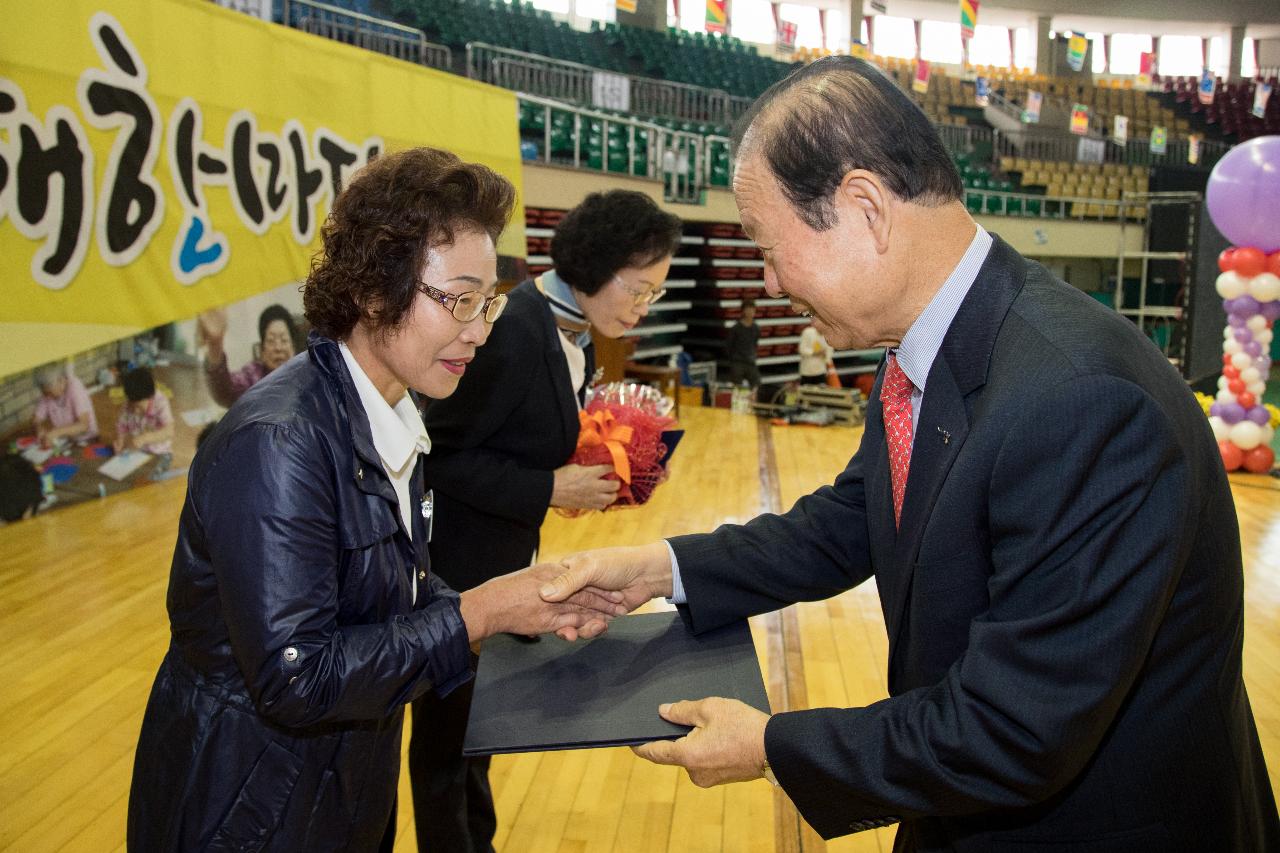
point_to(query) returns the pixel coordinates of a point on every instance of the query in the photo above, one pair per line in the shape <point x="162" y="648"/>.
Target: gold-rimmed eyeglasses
<point x="641" y="297"/>
<point x="468" y="306"/>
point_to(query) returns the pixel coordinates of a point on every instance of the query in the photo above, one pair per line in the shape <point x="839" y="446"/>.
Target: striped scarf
<point x="564" y="306"/>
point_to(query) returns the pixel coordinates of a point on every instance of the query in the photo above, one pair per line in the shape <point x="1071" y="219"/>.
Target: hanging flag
<point x="1031" y="115"/>
<point x="786" y="36"/>
<point x="1261" y="95"/>
<point x="1193" y="149"/>
<point x="1206" y="87"/>
<point x="1121" y="131"/>
<point x="968" y="18"/>
<point x="1080" y="119"/>
<point x="1077" y="47"/>
<point x="717" y="17"/>
<point x="1146" y="67"/>
<point x="1159" y="140"/>
<point x="982" y="90"/>
<point x="921" y="82"/>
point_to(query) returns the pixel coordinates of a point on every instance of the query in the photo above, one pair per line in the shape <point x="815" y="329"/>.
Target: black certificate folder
<point x="535" y="697"/>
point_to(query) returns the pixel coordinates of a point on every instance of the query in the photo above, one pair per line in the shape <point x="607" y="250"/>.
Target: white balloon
<point x="1250" y="374"/>
<point x="1230" y="285"/>
<point x="1241" y="360"/>
<point x="1221" y="429"/>
<point x="1225" y="396"/>
<point x="1222" y="382"/>
<point x="1256" y="324"/>
<point x="1256" y="388"/>
<point x="1231" y="346"/>
<point x="1263" y="337"/>
<point x="1264" y="287"/>
<point x="1246" y="435"/>
<point x="1228" y="333"/>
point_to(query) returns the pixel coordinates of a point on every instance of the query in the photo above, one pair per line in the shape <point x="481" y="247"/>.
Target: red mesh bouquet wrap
<point x="622" y="426"/>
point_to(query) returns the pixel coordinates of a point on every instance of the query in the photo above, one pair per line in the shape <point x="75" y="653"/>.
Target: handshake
<point x="577" y="598"/>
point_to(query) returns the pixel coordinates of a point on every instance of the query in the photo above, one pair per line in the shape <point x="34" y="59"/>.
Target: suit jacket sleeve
<point x="817" y="549"/>
<point x="1087" y="497"/>
<point x="460" y="426"/>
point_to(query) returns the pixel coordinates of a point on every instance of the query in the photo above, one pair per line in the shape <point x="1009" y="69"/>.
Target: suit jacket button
<point x="422" y="576"/>
<point x="290" y="654"/>
<point x="359" y="473"/>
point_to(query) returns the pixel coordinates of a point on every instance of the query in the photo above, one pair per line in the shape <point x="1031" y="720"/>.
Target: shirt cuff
<point x="677" y="587"/>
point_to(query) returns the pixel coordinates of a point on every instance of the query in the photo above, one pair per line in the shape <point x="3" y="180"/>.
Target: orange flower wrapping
<point x="630" y="440"/>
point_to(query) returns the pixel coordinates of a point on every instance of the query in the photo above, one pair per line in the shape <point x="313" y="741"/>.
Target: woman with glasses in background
<point x="303" y="608"/>
<point x="499" y="451"/>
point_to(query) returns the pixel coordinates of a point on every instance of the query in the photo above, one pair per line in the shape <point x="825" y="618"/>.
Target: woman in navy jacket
<point x="303" y="612"/>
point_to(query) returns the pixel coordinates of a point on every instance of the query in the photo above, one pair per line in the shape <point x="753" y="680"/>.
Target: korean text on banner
<point x="171" y="156"/>
<point x="717" y="17"/>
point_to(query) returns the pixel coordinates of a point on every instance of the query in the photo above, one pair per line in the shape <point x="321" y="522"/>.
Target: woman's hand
<point x="584" y="487"/>
<point x="511" y="604"/>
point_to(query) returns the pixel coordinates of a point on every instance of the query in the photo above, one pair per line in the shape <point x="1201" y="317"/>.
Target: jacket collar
<point x="367" y="474"/>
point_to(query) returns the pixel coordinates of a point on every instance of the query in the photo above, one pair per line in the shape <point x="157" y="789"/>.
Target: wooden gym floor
<point x="83" y="625"/>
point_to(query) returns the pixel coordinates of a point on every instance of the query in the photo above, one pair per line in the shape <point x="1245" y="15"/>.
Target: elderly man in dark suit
<point x="1038" y="497"/>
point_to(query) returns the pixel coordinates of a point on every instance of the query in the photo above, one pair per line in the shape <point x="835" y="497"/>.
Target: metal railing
<point x="1065" y="146"/>
<point x="365" y="31"/>
<point x="677" y="158"/>
<point x="964" y="139"/>
<point x="1078" y="208"/>
<point x="575" y="83"/>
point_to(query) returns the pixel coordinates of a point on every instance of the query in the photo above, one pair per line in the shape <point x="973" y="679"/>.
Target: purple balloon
<point x="1253" y="348"/>
<point x="1243" y="195"/>
<point x="1235" y="321"/>
<point x="1247" y="305"/>
<point x="1271" y="310"/>
<point x="1215" y="410"/>
<point x="1243" y="335"/>
<point x="1259" y="415"/>
<point x="1232" y="413"/>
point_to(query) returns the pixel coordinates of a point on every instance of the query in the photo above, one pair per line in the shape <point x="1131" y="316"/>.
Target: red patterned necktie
<point x="895" y="399"/>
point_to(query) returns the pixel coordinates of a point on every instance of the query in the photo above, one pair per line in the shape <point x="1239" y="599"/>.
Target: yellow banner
<point x="161" y="157"/>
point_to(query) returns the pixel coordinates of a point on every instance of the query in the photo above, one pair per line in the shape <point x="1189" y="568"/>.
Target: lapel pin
<point x="946" y="436"/>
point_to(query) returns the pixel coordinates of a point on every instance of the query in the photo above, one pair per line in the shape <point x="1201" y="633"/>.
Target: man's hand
<point x="583" y="487"/>
<point x="639" y="573"/>
<point x="511" y="604"/>
<point x="726" y="744"/>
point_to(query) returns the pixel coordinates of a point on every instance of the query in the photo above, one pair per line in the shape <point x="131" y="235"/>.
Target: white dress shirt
<point x="399" y="435"/>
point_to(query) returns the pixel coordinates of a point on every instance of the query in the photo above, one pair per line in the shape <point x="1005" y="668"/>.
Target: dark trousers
<point x="452" y="804"/>
<point x="743" y="370"/>
<point x="816" y="379"/>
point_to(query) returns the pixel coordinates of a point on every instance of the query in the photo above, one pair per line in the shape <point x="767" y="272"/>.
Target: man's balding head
<point x="837" y="115"/>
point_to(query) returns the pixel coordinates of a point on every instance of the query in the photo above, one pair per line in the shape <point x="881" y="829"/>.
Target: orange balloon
<point x="1232" y="456"/>
<point x="1249" y="261"/>
<point x="1273" y="263"/>
<point x="1226" y="260"/>
<point x="1259" y="460"/>
<point x="1246" y="399"/>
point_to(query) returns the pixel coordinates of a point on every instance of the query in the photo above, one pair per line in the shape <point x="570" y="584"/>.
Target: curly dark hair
<point x="381" y="227"/>
<point x="611" y="231"/>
